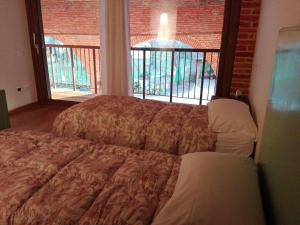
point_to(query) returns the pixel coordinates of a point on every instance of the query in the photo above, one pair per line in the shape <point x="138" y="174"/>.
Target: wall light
<point x="164" y="20"/>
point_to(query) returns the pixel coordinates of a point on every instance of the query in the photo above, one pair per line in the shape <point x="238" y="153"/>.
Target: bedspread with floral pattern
<point x="47" y="180"/>
<point x="136" y="123"/>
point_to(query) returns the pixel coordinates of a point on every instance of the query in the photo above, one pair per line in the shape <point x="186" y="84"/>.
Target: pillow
<point x="235" y="142"/>
<point x="228" y="115"/>
<point x="214" y="189"/>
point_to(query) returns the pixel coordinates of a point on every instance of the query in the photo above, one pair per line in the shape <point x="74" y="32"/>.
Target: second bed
<point x="224" y="125"/>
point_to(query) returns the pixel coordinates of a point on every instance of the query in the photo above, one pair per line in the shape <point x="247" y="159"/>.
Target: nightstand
<point x="4" y="117"/>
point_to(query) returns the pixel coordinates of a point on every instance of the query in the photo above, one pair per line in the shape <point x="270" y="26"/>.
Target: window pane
<point x="188" y="73"/>
<point x="72" y="39"/>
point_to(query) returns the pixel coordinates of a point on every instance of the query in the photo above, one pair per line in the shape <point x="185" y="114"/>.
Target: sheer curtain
<point x="115" y="48"/>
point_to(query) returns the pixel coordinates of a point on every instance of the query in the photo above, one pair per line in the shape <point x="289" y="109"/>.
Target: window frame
<point x="231" y="22"/>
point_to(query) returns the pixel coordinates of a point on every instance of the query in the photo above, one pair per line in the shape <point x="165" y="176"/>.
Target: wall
<point x="72" y="22"/>
<point x="197" y="23"/>
<point x="245" y="48"/>
<point x="16" y="68"/>
<point x="275" y="14"/>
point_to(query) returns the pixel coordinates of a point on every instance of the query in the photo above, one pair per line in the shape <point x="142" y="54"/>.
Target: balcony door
<point x="72" y="48"/>
<point x="182" y="51"/>
<point x="38" y="50"/>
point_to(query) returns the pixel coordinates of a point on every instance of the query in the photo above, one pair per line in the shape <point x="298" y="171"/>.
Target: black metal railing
<point x="175" y="73"/>
<point x="168" y="74"/>
<point x="74" y="67"/>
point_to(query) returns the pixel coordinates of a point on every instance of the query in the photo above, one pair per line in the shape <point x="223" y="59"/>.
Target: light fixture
<point x="164" y="20"/>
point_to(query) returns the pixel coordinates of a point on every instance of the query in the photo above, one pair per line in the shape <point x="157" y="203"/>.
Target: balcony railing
<point x="74" y="67"/>
<point x="167" y="74"/>
<point x="175" y="75"/>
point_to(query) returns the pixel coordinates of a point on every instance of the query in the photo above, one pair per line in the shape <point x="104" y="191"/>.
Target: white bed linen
<point x="234" y="125"/>
<point x="228" y="115"/>
<point x="236" y="143"/>
<point x="214" y="189"/>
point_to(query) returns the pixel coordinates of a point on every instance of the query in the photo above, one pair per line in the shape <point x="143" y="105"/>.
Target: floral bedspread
<point x="141" y="124"/>
<point x="49" y="180"/>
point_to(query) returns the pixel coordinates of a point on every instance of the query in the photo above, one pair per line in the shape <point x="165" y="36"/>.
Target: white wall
<point x="275" y="14"/>
<point x="16" y="68"/>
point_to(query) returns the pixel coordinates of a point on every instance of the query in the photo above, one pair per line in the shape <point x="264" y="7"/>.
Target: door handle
<point x="36" y="45"/>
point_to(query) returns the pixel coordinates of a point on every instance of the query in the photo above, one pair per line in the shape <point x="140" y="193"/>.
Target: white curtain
<point x="115" y="48"/>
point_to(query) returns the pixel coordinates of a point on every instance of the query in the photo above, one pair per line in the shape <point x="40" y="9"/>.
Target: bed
<point x="50" y="180"/>
<point x="224" y="125"/>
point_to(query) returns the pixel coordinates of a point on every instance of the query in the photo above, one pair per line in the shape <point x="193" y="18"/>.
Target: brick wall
<point x="77" y="21"/>
<point x="245" y="45"/>
<point x="197" y="23"/>
<point x="74" y="22"/>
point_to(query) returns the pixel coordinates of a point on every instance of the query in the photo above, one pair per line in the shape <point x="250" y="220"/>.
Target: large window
<point x="175" y="48"/>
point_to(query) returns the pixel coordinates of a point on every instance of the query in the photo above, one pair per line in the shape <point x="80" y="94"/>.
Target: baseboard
<point x="34" y="105"/>
<point x="62" y="103"/>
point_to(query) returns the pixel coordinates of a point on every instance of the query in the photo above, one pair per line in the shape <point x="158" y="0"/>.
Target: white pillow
<point x="236" y="143"/>
<point x="214" y="189"/>
<point x="228" y="115"/>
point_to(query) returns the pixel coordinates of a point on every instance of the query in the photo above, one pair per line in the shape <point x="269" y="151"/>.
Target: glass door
<point x="72" y="48"/>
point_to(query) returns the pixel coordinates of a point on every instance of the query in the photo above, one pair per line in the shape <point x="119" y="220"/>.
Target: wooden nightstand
<point x="4" y="117"/>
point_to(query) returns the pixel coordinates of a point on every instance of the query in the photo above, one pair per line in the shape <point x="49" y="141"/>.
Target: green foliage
<point x="136" y="87"/>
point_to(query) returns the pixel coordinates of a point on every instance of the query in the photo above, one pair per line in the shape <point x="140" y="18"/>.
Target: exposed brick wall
<point x="198" y="24"/>
<point x="245" y="46"/>
<point x="73" y="22"/>
<point x="77" y="21"/>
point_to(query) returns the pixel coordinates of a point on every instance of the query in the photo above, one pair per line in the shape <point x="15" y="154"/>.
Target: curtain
<point x="115" y="48"/>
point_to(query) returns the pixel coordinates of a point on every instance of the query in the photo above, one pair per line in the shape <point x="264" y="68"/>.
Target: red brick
<point x="246" y="40"/>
